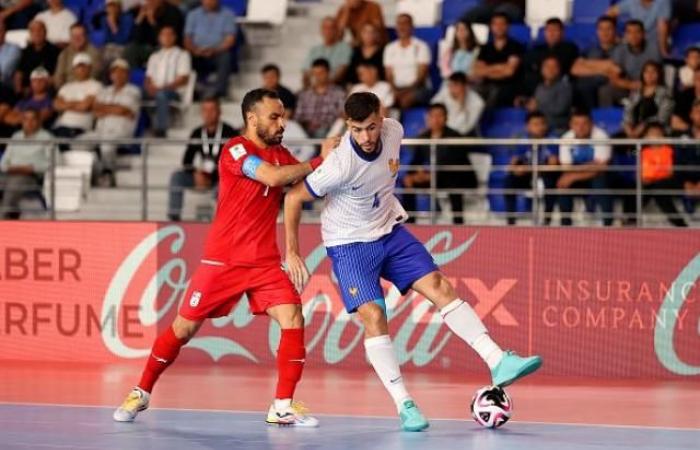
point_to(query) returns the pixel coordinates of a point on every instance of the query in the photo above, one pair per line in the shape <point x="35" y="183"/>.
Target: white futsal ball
<point x="491" y="407"/>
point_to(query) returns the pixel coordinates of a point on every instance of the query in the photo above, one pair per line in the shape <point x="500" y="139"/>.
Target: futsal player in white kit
<point x="363" y="233"/>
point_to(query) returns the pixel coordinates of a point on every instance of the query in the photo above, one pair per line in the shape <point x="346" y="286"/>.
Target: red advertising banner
<point x="621" y="303"/>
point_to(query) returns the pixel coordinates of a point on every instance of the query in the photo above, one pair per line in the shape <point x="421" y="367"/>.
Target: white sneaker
<point x="135" y="402"/>
<point x="293" y="415"/>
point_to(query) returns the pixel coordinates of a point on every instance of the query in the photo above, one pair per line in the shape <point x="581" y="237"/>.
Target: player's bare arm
<point x="296" y="268"/>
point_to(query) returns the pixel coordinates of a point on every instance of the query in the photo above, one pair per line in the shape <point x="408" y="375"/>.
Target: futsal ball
<point x="491" y="407"/>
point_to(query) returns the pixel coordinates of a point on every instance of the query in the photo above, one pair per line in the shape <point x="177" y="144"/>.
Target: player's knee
<point x="373" y="318"/>
<point x="443" y="290"/>
<point x="185" y="328"/>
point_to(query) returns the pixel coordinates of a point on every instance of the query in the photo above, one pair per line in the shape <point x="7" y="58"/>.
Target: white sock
<point x="380" y="352"/>
<point x="463" y="321"/>
<point x="282" y="403"/>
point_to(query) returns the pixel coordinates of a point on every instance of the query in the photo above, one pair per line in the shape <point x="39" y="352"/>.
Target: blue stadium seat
<point x="684" y="37"/>
<point x="503" y="122"/>
<point x="137" y="77"/>
<point x="452" y="10"/>
<point x="413" y="120"/>
<point x="609" y="119"/>
<point x="521" y="33"/>
<point x="588" y="11"/>
<point x="238" y="6"/>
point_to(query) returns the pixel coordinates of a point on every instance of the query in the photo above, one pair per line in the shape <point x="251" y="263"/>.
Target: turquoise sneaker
<point x="513" y="367"/>
<point x="411" y="417"/>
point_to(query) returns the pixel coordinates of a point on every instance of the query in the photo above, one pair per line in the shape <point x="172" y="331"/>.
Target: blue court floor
<point x="82" y="428"/>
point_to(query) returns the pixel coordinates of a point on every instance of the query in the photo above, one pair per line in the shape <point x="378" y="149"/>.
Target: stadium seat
<point x="538" y="11"/>
<point x="588" y="11"/>
<point x="609" y="119"/>
<point x="503" y="122"/>
<point x="452" y="10"/>
<point x="521" y="33"/>
<point x="269" y="12"/>
<point x="684" y="37"/>
<point x="425" y="13"/>
<point x="237" y="6"/>
<point x="413" y="120"/>
<point x="137" y="77"/>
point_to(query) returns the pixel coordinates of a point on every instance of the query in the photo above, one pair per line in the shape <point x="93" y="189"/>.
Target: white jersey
<point x="360" y="205"/>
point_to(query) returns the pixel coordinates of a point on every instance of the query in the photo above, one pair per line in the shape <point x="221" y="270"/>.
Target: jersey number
<point x="375" y="203"/>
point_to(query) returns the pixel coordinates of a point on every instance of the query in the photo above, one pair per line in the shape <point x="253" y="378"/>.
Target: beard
<point x="269" y="138"/>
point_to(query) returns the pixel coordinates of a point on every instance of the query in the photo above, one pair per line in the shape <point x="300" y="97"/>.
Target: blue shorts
<point x="397" y="257"/>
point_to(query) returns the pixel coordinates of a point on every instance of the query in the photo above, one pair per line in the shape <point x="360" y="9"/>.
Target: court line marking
<point x="440" y="419"/>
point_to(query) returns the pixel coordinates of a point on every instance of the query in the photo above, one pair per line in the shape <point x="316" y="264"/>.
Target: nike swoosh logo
<point x="297" y="360"/>
<point x="160" y="360"/>
<point x="394" y="380"/>
<point x="354" y="188"/>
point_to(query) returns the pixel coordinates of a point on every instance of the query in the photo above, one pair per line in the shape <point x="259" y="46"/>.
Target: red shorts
<point x="215" y="289"/>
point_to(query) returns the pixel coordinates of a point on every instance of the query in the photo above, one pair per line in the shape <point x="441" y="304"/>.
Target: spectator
<point x="520" y="168"/>
<point x="437" y="128"/>
<point x="321" y="104"/>
<point x="406" y="62"/>
<point x="334" y="50"/>
<point x="554" y="45"/>
<point x="497" y="66"/>
<point x="654" y="15"/>
<point x="657" y="174"/>
<point x="685" y="99"/>
<point x="9" y="58"/>
<point x="39" y="100"/>
<point x="7" y="102"/>
<point x="152" y="16"/>
<point x="294" y="131"/>
<point x="369" y="50"/>
<point x="58" y="20"/>
<point x="200" y="161"/>
<point x="17" y="14"/>
<point x="686" y="11"/>
<point x="593" y="69"/>
<point x="23" y="165"/>
<point x="652" y="102"/>
<point x="584" y="167"/>
<point x="370" y="82"/>
<point x="461" y="55"/>
<point x="38" y="52"/>
<point x="464" y="106"/>
<point x="692" y="65"/>
<point x="629" y="59"/>
<point x="167" y="75"/>
<point x="116" y="108"/>
<point x="117" y="26"/>
<point x="78" y="44"/>
<point x="75" y="100"/>
<point x="553" y="96"/>
<point x="271" y="80"/>
<point x="690" y="156"/>
<point x="514" y="10"/>
<point x="210" y="33"/>
<point x="355" y="14"/>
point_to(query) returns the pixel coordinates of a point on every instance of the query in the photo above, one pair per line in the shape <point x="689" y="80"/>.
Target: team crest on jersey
<point x="237" y="151"/>
<point x="353" y="291"/>
<point x="194" y="300"/>
<point x="394" y="167"/>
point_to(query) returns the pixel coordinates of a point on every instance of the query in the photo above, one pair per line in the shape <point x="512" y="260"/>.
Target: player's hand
<point x="297" y="271"/>
<point x="328" y="145"/>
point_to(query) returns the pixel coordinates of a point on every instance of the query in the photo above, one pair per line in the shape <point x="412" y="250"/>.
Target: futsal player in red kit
<point x="241" y="257"/>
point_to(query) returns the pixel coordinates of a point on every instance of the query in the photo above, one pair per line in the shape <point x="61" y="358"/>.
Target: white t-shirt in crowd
<point x="76" y="91"/>
<point x="581" y="154"/>
<point x="128" y="96"/>
<point x="462" y="116"/>
<point x="405" y="61"/>
<point x="381" y="89"/>
<point x="165" y="65"/>
<point x="57" y="24"/>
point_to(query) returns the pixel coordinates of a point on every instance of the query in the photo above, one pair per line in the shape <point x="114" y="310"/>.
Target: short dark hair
<point x="458" y="77"/>
<point x="440" y="106"/>
<point x="254" y="97"/>
<point x="321" y="62"/>
<point x="536" y="114"/>
<point x="634" y="23"/>
<point x="500" y="15"/>
<point x="270" y="68"/>
<point x="692" y="48"/>
<point x="406" y="15"/>
<point x="212" y="99"/>
<point x="554" y="21"/>
<point x="581" y="112"/>
<point x="610" y="19"/>
<point x="78" y="25"/>
<point x="360" y="105"/>
<point x="32" y="110"/>
<point x="654" y="124"/>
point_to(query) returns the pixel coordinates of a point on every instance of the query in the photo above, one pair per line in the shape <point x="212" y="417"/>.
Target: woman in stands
<point x="369" y="51"/>
<point x="651" y="103"/>
<point x="461" y="55"/>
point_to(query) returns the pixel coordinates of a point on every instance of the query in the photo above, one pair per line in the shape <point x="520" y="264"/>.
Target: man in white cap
<point x="75" y="100"/>
<point x="39" y="99"/>
<point x="116" y="108"/>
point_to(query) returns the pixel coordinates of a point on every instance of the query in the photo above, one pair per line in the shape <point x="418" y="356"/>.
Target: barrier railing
<point x="627" y="177"/>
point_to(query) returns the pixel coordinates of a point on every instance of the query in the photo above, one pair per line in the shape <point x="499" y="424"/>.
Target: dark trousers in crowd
<point x="604" y="201"/>
<point x="524" y="182"/>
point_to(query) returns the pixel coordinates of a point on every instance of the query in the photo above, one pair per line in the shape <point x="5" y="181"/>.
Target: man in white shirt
<point x="58" y="20"/>
<point x="584" y="166"/>
<point x="167" y="74"/>
<point x="116" y="108"/>
<point x="406" y="62"/>
<point x="75" y="100"/>
<point x="368" y="74"/>
<point x="464" y="106"/>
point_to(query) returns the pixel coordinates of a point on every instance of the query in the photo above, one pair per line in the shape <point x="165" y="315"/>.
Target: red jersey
<point x="244" y="229"/>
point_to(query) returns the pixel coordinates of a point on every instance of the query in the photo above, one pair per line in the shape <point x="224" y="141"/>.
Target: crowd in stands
<point x="74" y="73"/>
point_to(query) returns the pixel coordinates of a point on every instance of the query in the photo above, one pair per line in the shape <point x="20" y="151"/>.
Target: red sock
<point x="165" y="350"/>
<point x="290" y="361"/>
